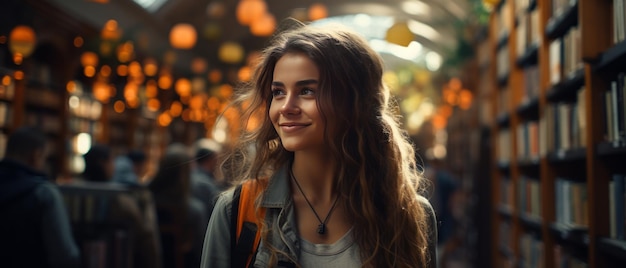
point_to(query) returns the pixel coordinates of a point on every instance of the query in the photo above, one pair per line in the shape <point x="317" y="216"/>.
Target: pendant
<point x="321" y="229"/>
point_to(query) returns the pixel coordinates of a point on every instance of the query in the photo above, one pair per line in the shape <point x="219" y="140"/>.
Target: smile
<point x="291" y="127"/>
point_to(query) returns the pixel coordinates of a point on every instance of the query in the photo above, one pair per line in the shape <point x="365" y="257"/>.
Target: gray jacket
<point x="279" y="216"/>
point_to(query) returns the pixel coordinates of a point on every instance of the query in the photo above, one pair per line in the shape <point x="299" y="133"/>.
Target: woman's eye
<point x="307" y="91"/>
<point x="277" y="92"/>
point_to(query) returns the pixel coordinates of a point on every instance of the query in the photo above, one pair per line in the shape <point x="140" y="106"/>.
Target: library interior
<point x="516" y="108"/>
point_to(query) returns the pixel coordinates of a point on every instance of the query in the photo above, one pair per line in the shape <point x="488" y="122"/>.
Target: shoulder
<point x="224" y="201"/>
<point x="432" y="227"/>
<point x="428" y="209"/>
<point x="47" y="191"/>
<point x="425" y="203"/>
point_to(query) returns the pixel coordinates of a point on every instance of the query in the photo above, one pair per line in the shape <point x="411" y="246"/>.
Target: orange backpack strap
<point x="245" y="222"/>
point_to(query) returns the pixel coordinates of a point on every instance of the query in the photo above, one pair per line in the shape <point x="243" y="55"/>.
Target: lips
<point x="291" y="127"/>
<point x="291" y="124"/>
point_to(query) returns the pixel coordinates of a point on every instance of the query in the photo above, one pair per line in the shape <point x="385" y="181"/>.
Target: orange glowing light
<point x="250" y="10"/>
<point x="89" y="71"/>
<point x="183" y="36"/>
<point x="264" y="25"/>
<point x="244" y="74"/>
<point x="119" y="106"/>
<point x="18" y="75"/>
<point x="165" y="81"/>
<point x="122" y="70"/>
<point x="183" y="87"/>
<point x="151" y="89"/>
<point x="318" y="11"/>
<point x="215" y="76"/>
<point x="22" y="39"/>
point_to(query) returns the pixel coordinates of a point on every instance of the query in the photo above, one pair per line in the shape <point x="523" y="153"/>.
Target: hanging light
<point x="264" y="26"/>
<point x="215" y="76"/>
<point x="183" y="87"/>
<point x="125" y="52"/>
<point x="230" y="52"/>
<point x="22" y="40"/>
<point x="399" y="34"/>
<point x="198" y="65"/>
<point x="318" y="11"/>
<point x="110" y="31"/>
<point x="216" y="10"/>
<point x="183" y="36"/>
<point x="244" y="74"/>
<point x="150" y="67"/>
<point x="250" y="10"/>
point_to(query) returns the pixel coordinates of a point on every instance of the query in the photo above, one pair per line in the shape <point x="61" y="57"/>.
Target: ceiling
<point x="440" y="15"/>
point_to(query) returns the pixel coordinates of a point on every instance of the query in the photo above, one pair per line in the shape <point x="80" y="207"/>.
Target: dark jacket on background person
<point x="35" y="230"/>
<point x="204" y="189"/>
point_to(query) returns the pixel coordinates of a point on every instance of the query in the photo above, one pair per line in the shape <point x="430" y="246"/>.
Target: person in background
<point x="137" y="211"/>
<point x="203" y="184"/>
<point x="35" y="229"/>
<point x="177" y="207"/>
<point x="343" y="188"/>
<point x="130" y="168"/>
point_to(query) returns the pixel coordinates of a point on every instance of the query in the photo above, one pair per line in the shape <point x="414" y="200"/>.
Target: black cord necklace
<point x="321" y="228"/>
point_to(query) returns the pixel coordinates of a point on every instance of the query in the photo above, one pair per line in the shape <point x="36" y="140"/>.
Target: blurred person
<point x="340" y="182"/>
<point x="130" y="168"/>
<point x="137" y="210"/>
<point x="177" y="206"/>
<point x="203" y="184"/>
<point x="35" y="230"/>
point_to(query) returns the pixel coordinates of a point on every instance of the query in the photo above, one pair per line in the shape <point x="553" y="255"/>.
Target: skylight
<point x="150" y="5"/>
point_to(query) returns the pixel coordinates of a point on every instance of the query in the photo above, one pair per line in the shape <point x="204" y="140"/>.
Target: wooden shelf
<point x="567" y="88"/>
<point x="503" y="120"/>
<point x="530" y="56"/>
<point x="611" y="149"/>
<point x="505" y="211"/>
<point x="504" y="166"/>
<point x="567" y="156"/>
<point x="532" y="223"/>
<point x="558" y="26"/>
<point x="612" y="59"/>
<point x="574" y="235"/>
<point x="503" y="80"/>
<point x="530" y="167"/>
<point x="613" y="247"/>
<point x="503" y="40"/>
<point x="529" y="109"/>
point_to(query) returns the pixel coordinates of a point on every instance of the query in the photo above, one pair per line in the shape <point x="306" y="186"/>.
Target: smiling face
<point x="293" y="110"/>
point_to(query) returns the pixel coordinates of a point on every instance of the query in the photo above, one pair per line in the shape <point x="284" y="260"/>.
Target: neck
<point x="315" y="176"/>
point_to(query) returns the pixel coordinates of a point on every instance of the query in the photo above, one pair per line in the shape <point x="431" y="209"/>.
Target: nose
<point x="290" y="105"/>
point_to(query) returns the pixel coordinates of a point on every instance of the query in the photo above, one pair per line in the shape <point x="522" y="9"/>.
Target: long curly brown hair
<point x="377" y="175"/>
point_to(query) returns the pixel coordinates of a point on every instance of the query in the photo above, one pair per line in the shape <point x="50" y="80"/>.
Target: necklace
<point x="321" y="228"/>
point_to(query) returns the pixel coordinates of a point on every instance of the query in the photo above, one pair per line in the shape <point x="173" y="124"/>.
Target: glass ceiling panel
<point x="150" y="5"/>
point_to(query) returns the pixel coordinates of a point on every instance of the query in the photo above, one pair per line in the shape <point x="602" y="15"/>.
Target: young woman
<point x="343" y="183"/>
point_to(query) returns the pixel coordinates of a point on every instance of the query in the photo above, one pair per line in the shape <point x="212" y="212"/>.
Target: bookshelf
<point x="103" y="241"/>
<point x="7" y="91"/>
<point x="557" y="88"/>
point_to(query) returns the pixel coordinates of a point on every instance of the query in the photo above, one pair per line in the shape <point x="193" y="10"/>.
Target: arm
<point x="216" y="249"/>
<point x="56" y="229"/>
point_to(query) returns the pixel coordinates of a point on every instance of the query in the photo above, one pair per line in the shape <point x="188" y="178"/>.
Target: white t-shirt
<point x="341" y="254"/>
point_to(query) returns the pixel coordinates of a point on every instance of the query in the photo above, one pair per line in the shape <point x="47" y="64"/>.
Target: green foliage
<point x="468" y="31"/>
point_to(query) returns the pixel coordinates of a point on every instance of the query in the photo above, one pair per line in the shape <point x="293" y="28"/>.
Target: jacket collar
<point x="277" y="191"/>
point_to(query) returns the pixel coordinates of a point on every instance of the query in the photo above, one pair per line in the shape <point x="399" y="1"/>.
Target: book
<point x="618" y="197"/>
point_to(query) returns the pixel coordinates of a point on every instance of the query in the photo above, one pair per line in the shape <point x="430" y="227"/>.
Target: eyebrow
<point x="299" y="83"/>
